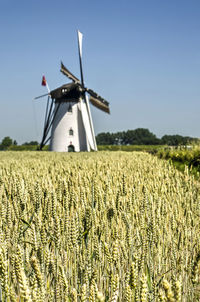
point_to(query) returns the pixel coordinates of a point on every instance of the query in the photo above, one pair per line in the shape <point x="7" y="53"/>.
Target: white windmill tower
<point x="68" y="122"/>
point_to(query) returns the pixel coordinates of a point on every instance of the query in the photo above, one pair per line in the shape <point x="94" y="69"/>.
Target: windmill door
<point x="71" y="148"/>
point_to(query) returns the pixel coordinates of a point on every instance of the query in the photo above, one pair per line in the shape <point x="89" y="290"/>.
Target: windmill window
<point x="64" y="90"/>
<point x="71" y="132"/>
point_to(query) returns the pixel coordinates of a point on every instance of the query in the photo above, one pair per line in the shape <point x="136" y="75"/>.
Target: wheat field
<point x="97" y="227"/>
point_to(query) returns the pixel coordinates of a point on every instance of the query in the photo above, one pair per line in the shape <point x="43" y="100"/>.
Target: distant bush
<point x="26" y="148"/>
<point x="182" y="158"/>
<point x="147" y="148"/>
<point x="179" y="155"/>
<point x="23" y="148"/>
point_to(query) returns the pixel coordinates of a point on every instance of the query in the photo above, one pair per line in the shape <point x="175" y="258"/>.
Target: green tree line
<point x="8" y="143"/>
<point x="142" y="136"/>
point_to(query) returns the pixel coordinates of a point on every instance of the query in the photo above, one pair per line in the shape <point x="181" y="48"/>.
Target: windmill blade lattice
<point x="68" y="73"/>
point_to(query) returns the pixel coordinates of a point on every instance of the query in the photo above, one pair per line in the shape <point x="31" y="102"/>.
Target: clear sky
<point x="142" y="56"/>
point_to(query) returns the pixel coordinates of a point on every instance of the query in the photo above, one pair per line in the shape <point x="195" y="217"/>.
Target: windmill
<point x="68" y="122"/>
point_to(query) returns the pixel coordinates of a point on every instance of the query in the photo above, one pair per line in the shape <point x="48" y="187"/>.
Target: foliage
<point x="27" y="148"/>
<point x="105" y="138"/>
<point x="33" y="143"/>
<point x="138" y="136"/>
<point x="142" y="136"/>
<point x="182" y="157"/>
<point x="9" y="144"/>
<point x="146" y="148"/>
<point x="176" y="140"/>
<point x="6" y="142"/>
<point x="97" y="227"/>
<point x="23" y="148"/>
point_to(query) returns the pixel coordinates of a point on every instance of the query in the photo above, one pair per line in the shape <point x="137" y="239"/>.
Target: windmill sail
<point x="91" y="123"/>
<point x="87" y="125"/>
<point x="85" y="109"/>
<point x="98" y="101"/>
<point x="70" y="75"/>
<point x="80" y="39"/>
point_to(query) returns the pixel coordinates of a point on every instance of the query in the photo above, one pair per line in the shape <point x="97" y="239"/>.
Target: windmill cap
<point x="67" y="91"/>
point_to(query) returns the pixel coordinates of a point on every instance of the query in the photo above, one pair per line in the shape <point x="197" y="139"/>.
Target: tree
<point x="33" y="143"/>
<point x="105" y="139"/>
<point x="6" y="142"/>
<point x="138" y="136"/>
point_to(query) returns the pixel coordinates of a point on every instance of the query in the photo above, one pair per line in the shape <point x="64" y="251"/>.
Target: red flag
<point x="44" y="82"/>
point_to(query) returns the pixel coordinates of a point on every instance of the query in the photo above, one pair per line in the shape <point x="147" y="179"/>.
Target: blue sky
<point x="142" y="56"/>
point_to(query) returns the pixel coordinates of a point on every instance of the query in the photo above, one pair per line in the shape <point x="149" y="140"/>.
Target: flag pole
<point x="48" y="89"/>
